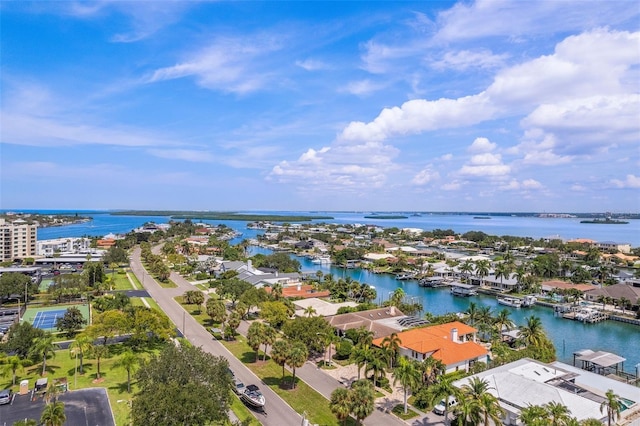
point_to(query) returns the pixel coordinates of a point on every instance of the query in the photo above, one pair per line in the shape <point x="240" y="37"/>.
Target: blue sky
<point x="428" y="106"/>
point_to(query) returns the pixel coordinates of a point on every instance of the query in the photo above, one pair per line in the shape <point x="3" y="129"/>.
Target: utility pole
<point x="184" y="330"/>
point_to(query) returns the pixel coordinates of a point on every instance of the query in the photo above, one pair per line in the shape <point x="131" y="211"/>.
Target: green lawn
<point x="398" y="410"/>
<point x="302" y="398"/>
<point x="63" y="365"/>
<point x="119" y="281"/>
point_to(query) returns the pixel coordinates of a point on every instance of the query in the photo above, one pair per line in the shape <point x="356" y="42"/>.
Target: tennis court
<point x="45" y="318"/>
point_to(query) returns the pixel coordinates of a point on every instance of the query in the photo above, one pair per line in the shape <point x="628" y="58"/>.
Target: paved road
<point x="277" y="412"/>
<point x="309" y="373"/>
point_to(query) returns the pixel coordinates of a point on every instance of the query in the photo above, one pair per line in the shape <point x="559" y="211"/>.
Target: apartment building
<point x="18" y="240"/>
<point x="63" y="245"/>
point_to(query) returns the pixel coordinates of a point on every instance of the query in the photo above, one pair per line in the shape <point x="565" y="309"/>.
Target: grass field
<point x="302" y="398"/>
<point x="119" y="281"/>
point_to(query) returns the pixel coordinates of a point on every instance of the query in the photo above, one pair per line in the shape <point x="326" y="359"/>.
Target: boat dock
<point x="589" y="315"/>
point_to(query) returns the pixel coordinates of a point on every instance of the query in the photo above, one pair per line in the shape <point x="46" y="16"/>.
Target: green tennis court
<point x="45" y="318"/>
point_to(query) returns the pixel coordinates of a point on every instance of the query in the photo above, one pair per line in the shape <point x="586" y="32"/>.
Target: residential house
<point x="453" y="343"/>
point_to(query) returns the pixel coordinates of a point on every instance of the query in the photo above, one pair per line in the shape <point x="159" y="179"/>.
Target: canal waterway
<point x="568" y="336"/>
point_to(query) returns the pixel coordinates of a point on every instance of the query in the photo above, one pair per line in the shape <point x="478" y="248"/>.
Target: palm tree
<point x="377" y="364"/>
<point x="532" y="415"/>
<point x="279" y="352"/>
<point x="53" y="414"/>
<point x="44" y="346"/>
<point x="466" y="268"/>
<point x="362" y="398"/>
<point x="443" y="389"/>
<point x="361" y="355"/>
<point x="408" y="375"/>
<point x="255" y="337"/>
<point x="612" y="405"/>
<point x="79" y="347"/>
<point x="216" y="310"/>
<point x="99" y="352"/>
<point x="482" y="268"/>
<point x="298" y="354"/>
<point x="309" y="311"/>
<point x="431" y="368"/>
<point x="502" y="320"/>
<point x="269" y="335"/>
<point x="591" y="422"/>
<point x="340" y="404"/>
<point x="501" y="271"/>
<point x="533" y="333"/>
<point x="12" y="365"/>
<point x="490" y="409"/>
<point x="472" y="313"/>
<point x="559" y="413"/>
<point x="391" y="344"/>
<point x="467" y="411"/>
<point x="129" y="361"/>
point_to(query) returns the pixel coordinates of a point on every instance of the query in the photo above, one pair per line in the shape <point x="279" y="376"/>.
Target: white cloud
<point x="488" y="18"/>
<point x="482" y="145"/>
<point x="631" y="181"/>
<point x="451" y="186"/>
<point x="446" y="157"/>
<point x="345" y="167"/>
<point x="462" y="60"/>
<point x="183" y="154"/>
<point x="362" y="87"/>
<point x="420" y="115"/>
<point x="312" y="65"/>
<point x="425" y="176"/>
<point x="228" y="64"/>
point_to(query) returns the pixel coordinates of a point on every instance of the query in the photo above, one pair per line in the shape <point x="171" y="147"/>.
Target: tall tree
<point x="99" y="352"/>
<point x="340" y="404"/>
<point x="80" y="347"/>
<point x="172" y="385"/>
<point x="296" y="358"/>
<point x="279" y="353"/>
<point x="11" y="365"/>
<point x="391" y="344"/>
<point x="129" y="361"/>
<point x="443" y="389"/>
<point x="612" y="406"/>
<point x="362" y="399"/>
<point x="53" y="414"/>
<point x="43" y="347"/>
<point x="408" y="375"/>
<point x="255" y="336"/>
<point x="216" y="310"/>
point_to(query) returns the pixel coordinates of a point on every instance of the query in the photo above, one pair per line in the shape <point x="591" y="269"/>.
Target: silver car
<point x="238" y="386"/>
<point x="5" y="396"/>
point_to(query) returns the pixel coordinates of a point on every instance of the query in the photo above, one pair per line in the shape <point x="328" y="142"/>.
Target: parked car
<point x="5" y="396"/>
<point x="440" y="408"/>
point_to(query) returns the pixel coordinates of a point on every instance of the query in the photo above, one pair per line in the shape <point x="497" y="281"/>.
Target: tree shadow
<point x="120" y="388"/>
<point x="248" y="357"/>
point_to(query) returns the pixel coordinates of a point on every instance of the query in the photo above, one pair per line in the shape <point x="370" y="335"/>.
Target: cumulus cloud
<point x="631" y="181"/>
<point x="527" y="184"/>
<point x="362" y="87"/>
<point x="347" y="167"/>
<point x="482" y="145"/>
<point x="425" y="176"/>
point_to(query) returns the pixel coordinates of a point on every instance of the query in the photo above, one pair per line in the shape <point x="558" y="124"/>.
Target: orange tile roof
<point x="436" y="341"/>
<point x="306" y="291"/>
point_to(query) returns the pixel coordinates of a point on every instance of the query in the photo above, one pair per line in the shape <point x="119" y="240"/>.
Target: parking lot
<point x="82" y="407"/>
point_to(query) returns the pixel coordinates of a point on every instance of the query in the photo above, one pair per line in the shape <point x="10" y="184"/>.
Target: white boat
<point x="403" y="277"/>
<point x="514" y="302"/>
<point x="464" y="290"/>
<point x="325" y="259"/>
<point x="253" y="396"/>
<point x="528" y="301"/>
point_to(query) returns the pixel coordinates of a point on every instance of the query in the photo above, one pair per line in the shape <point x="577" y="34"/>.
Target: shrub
<point x="343" y="351"/>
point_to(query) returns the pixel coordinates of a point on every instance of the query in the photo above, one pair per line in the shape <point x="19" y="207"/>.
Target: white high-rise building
<point x="74" y="245"/>
<point x="18" y="240"/>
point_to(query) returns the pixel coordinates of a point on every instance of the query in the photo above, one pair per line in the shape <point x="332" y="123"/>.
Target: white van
<point x="440" y="408"/>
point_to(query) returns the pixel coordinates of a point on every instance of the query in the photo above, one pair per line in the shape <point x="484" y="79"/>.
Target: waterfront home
<point x="382" y="321"/>
<point x="560" y="286"/>
<point x="453" y="343"/>
<point x="528" y="382"/>
<point x="297" y="290"/>
<point x="614" y="246"/>
<point x="617" y="292"/>
<point x="321" y="307"/>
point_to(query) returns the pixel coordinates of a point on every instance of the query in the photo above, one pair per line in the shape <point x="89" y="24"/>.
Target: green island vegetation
<point x="46" y="220"/>
<point x="606" y="221"/>
<point x="222" y="216"/>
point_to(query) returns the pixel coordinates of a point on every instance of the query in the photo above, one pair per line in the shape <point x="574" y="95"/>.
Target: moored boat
<point x="514" y="302"/>
<point x="459" y="289"/>
<point x="253" y="396"/>
<point x="528" y="301"/>
<point x="323" y="260"/>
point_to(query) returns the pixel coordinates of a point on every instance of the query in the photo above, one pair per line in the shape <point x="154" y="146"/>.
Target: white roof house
<point x="527" y="382"/>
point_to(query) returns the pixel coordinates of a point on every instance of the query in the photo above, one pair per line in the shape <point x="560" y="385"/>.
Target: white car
<point x="238" y="387"/>
<point x="440" y="408"/>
